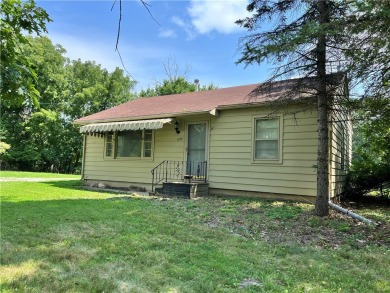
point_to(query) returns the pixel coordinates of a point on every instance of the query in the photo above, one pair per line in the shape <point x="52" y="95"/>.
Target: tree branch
<point x="145" y="4"/>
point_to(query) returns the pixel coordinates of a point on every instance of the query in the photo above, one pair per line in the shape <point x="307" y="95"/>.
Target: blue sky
<point x="196" y="34"/>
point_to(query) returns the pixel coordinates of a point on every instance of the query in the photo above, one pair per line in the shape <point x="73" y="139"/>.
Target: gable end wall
<point x="340" y="146"/>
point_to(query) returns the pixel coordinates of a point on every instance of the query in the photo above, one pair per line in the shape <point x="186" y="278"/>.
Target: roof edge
<point x="173" y="115"/>
<point x="168" y="115"/>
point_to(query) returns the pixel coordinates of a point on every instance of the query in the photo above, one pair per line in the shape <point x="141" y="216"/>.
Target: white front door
<point x="196" y="148"/>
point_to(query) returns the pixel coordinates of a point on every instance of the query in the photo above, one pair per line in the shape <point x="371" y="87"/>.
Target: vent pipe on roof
<point x="196" y="81"/>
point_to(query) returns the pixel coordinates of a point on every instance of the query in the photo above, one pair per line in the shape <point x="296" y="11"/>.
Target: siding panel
<point x="167" y="146"/>
<point x="231" y="165"/>
<point x="229" y="154"/>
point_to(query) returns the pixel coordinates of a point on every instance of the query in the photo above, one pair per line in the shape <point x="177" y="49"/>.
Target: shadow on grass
<point x="72" y="184"/>
<point x="94" y="245"/>
<point x="79" y="185"/>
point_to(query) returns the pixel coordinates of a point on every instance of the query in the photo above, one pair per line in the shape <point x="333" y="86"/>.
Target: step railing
<point x="179" y="171"/>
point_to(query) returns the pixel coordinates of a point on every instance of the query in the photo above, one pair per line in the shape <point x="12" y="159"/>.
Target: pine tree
<point x="305" y="41"/>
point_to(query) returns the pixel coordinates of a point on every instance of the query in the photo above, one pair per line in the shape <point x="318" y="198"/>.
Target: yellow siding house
<point x="218" y="142"/>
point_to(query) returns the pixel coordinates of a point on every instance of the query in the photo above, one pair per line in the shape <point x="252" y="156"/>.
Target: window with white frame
<point x="147" y="143"/>
<point x="266" y="139"/>
<point x="109" y="144"/>
<point x="129" y="144"/>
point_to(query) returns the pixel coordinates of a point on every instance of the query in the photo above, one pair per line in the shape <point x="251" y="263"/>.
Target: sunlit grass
<point x="13" y="273"/>
<point x="18" y="174"/>
<point x="53" y="190"/>
<point x="57" y="237"/>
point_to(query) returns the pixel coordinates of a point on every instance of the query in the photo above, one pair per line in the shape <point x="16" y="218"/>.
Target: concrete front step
<point x="183" y="189"/>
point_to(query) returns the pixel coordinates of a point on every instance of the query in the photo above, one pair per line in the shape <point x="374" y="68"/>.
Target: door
<point x="196" y="149"/>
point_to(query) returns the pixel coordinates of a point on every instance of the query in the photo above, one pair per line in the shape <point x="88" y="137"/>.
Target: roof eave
<point x="134" y="118"/>
<point x="243" y="105"/>
<point x="178" y="114"/>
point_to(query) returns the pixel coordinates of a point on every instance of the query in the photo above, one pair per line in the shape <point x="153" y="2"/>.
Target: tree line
<point x="43" y="92"/>
<point x="41" y="134"/>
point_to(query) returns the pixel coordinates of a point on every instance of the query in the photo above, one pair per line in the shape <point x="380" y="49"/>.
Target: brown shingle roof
<point x="188" y="103"/>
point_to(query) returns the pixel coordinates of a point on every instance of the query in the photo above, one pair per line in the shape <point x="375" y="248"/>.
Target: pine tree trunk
<point x="321" y="205"/>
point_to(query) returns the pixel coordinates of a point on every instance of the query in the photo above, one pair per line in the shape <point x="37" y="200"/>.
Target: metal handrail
<point x="155" y="172"/>
<point x="179" y="170"/>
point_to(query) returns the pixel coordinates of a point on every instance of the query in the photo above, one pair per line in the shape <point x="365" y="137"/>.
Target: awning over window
<point x="125" y="125"/>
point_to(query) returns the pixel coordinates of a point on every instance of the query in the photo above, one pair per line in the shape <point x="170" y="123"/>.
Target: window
<point x="109" y="143"/>
<point x="148" y="135"/>
<point x="266" y="139"/>
<point x="129" y="144"/>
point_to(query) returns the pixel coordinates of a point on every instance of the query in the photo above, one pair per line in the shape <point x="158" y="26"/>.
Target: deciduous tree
<point x="176" y="82"/>
<point x="17" y="74"/>
<point x="370" y="169"/>
<point x="44" y="135"/>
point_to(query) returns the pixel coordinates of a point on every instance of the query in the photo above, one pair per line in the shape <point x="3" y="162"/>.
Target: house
<point x="217" y="142"/>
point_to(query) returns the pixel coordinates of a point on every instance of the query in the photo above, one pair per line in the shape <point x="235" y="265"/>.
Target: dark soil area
<point x="367" y="201"/>
<point x="291" y="223"/>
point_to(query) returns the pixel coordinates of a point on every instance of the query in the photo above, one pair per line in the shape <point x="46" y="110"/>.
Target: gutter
<point x="352" y="215"/>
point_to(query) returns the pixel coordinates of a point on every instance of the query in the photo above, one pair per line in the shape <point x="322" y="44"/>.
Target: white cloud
<point x="209" y="15"/>
<point x="186" y="26"/>
<point x="167" y="33"/>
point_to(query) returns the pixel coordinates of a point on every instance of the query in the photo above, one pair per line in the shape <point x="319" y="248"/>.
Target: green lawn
<point x="59" y="238"/>
<point x="18" y="174"/>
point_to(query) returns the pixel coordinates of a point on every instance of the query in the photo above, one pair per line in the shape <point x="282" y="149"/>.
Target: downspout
<point x="83" y="160"/>
<point x="352" y="215"/>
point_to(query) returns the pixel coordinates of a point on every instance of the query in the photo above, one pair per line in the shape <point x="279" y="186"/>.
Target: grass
<point x="59" y="238"/>
<point x="18" y="174"/>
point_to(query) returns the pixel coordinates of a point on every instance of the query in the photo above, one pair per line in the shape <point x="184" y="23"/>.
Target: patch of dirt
<point x="249" y="282"/>
<point x="283" y="222"/>
<point x="369" y="202"/>
<point x="345" y="230"/>
<point x="329" y="232"/>
<point x="307" y="229"/>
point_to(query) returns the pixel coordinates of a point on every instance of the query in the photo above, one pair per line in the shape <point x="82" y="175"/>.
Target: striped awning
<point x="125" y="125"/>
